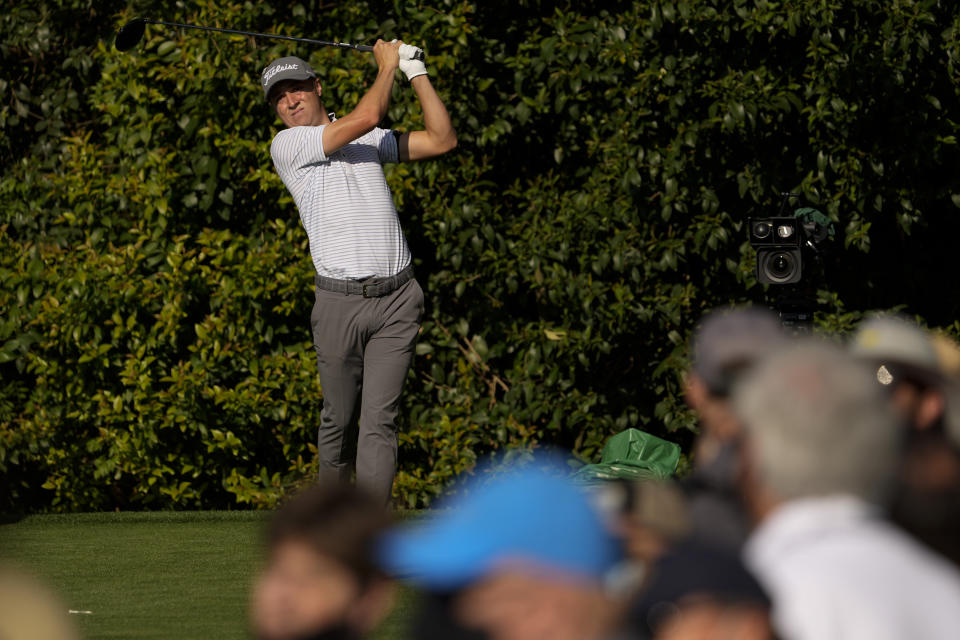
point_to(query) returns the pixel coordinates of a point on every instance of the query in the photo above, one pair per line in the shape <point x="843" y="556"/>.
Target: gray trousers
<point x="364" y="350"/>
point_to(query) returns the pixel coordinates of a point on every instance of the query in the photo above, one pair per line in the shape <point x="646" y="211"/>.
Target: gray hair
<point x="818" y="424"/>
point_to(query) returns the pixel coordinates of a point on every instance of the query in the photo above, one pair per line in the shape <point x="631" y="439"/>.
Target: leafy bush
<point x="155" y="348"/>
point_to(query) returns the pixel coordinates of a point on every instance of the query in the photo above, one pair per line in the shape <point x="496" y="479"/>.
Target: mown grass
<point x="152" y="575"/>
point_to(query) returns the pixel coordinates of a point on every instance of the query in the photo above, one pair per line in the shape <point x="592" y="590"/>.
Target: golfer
<point x="368" y="305"/>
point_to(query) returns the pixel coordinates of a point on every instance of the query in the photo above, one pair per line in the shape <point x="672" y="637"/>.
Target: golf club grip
<point x="364" y="47"/>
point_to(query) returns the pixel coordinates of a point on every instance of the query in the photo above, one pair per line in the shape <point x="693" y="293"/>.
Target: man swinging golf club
<point x="368" y="305"/>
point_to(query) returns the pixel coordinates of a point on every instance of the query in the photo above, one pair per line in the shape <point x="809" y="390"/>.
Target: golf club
<point x="131" y="33"/>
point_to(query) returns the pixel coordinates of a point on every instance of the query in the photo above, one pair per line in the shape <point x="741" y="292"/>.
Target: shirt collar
<point x="805" y="520"/>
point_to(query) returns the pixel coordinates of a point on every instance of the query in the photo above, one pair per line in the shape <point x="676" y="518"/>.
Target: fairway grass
<point x="152" y="575"/>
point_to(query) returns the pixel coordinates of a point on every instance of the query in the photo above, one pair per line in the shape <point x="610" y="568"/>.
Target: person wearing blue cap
<point x="521" y="556"/>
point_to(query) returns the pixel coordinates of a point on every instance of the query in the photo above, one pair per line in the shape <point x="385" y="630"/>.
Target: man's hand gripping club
<point x="412" y="61"/>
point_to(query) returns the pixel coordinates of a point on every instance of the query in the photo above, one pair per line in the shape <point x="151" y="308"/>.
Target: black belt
<point x="372" y="287"/>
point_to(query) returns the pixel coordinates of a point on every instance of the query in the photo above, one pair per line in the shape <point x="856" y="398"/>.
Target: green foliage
<point x="161" y="375"/>
<point x="154" y="349"/>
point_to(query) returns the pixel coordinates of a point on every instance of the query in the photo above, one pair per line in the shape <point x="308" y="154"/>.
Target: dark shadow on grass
<point x="11" y="518"/>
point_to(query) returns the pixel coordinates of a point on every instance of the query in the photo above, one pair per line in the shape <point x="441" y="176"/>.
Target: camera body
<point x="778" y="241"/>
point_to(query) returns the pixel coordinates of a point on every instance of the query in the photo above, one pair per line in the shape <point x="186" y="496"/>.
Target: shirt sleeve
<point x="387" y="149"/>
<point x="295" y="149"/>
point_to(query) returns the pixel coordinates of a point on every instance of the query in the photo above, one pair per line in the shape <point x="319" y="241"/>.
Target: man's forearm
<point x="376" y="100"/>
<point x="372" y="106"/>
<point x="436" y="119"/>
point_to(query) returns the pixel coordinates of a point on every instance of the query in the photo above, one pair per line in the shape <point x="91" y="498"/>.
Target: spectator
<point x="520" y="557"/>
<point x="30" y="611"/>
<point x="915" y="368"/>
<point x="948" y="356"/>
<point x="648" y="517"/>
<point x="906" y="363"/>
<point x="725" y="346"/>
<point x="651" y="518"/>
<point x="702" y="593"/>
<point x="687" y="589"/>
<point x="320" y="580"/>
<point x="820" y="454"/>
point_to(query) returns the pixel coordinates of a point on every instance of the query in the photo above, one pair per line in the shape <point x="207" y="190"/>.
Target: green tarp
<point x="632" y="455"/>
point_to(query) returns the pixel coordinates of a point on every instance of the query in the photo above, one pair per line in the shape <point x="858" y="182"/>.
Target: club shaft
<point x="345" y="45"/>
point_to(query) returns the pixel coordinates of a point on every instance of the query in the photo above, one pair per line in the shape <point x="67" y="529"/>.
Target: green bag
<point x="632" y="455"/>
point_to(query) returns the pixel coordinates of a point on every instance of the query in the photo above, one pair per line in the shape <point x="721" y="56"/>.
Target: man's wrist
<point x="386" y="72"/>
<point x="413" y="68"/>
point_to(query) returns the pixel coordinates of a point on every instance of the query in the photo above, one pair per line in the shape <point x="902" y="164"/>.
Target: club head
<point x="130" y="34"/>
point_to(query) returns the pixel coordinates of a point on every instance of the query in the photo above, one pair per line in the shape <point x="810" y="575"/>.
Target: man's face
<point x="297" y="102"/>
<point x="301" y="592"/>
<point x="524" y="605"/>
<point x="707" y="620"/>
<point x="715" y="413"/>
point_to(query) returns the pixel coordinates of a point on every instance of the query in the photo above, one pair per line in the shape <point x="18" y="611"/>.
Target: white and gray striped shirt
<point x="345" y="204"/>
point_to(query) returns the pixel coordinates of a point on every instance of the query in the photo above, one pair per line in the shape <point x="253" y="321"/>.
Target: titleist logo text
<point x="269" y="73"/>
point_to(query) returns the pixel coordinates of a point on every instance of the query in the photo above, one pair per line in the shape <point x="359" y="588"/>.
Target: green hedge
<point x="155" y="348"/>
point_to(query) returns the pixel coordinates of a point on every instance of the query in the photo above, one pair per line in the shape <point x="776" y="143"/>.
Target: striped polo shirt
<point x="345" y="204"/>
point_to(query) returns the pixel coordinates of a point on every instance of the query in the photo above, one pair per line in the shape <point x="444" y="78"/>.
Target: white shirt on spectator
<point x="835" y="569"/>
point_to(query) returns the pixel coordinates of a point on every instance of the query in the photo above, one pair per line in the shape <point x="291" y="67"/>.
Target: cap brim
<point x="909" y="372"/>
<point x="531" y="515"/>
<point x="295" y="75"/>
<point x="438" y="555"/>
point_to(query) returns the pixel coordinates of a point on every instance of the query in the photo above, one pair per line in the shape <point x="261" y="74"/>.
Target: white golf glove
<point x="408" y="62"/>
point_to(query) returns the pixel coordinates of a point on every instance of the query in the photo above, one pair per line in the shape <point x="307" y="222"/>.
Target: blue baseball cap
<point x="533" y="516"/>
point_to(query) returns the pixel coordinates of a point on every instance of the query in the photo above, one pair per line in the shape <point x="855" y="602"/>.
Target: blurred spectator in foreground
<point x="948" y="355"/>
<point x="320" y="581"/>
<point x="821" y="452"/>
<point x="905" y="361"/>
<point x="725" y="346"/>
<point x="701" y="593"/>
<point x="648" y="516"/>
<point x="686" y="589"/>
<point x="916" y="369"/>
<point x="651" y="518"/>
<point x="520" y="557"/>
<point x="30" y="611"/>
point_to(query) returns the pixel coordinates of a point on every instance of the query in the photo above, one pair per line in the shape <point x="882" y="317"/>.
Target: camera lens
<point x="761" y="229"/>
<point x="780" y="266"/>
